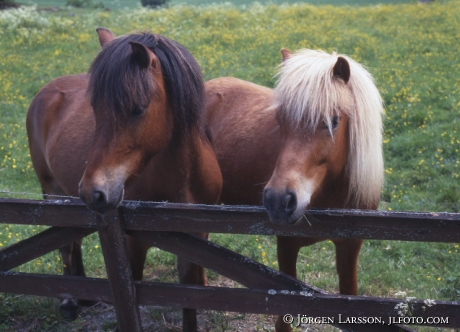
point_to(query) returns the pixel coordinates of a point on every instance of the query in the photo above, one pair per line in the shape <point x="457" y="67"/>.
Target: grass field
<point x="411" y="49"/>
<point x="119" y="4"/>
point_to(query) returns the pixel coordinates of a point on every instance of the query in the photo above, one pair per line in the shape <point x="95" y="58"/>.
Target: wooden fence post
<point x="112" y="235"/>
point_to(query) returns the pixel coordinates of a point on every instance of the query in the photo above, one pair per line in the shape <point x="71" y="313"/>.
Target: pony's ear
<point x="105" y="36"/>
<point x="286" y="54"/>
<point x="143" y="56"/>
<point x="342" y="69"/>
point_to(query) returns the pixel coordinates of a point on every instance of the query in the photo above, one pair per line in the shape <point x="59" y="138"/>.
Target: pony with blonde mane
<point x="313" y="142"/>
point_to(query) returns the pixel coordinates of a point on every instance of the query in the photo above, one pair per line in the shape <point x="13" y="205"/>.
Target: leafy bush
<point x="84" y="4"/>
<point x="5" y="4"/>
<point x="153" y="3"/>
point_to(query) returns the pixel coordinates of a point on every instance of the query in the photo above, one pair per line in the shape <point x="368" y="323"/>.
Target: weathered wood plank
<point x="65" y="213"/>
<point x="83" y="288"/>
<point x="436" y="227"/>
<point x="257" y="301"/>
<point x="389" y="225"/>
<point x="267" y="301"/>
<point x="225" y="262"/>
<point x="39" y="245"/>
<point x="113" y="243"/>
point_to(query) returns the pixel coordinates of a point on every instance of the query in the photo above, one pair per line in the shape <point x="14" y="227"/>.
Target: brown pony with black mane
<point x="314" y="142"/>
<point x="132" y="128"/>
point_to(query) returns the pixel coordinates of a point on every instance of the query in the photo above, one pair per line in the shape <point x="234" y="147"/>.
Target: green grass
<point x="411" y="49"/>
<point x="120" y="4"/>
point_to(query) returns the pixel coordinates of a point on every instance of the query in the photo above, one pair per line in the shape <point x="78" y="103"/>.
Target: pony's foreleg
<point x="72" y="260"/>
<point x="190" y="273"/>
<point x="137" y="255"/>
<point x="347" y="254"/>
<point x="288" y="250"/>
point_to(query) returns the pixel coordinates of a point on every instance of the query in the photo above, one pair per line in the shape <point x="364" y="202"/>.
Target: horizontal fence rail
<point x="163" y="225"/>
<point x="360" y="224"/>
<point x="341" y="308"/>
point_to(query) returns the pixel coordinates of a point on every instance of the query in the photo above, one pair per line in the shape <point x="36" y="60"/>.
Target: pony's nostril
<point x="270" y="199"/>
<point x="291" y="203"/>
<point x="99" y="197"/>
<point x="268" y="195"/>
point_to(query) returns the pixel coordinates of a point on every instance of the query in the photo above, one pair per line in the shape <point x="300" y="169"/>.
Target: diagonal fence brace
<point x="239" y="268"/>
<point x="38" y="245"/>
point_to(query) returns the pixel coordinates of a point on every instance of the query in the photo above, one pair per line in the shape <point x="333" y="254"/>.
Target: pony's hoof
<point x="281" y="326"/>
<point x="68" y="309"/>
<point x="87" y="303"/>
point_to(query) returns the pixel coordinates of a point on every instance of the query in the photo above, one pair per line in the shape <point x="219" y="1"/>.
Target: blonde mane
<point x="308" y="93"/>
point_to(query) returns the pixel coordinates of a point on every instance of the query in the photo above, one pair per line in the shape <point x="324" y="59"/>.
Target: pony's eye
<point x="138" y="111"/>
<point x="335" y="122"/>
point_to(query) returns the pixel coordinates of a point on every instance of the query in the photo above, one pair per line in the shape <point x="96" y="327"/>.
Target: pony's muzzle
<point x="280" y="205"/>
<point x="99" y="200"/>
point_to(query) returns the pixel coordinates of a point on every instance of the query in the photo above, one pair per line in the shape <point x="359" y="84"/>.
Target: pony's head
<point x="147" y="93"/>
<point x="330" y="116"/>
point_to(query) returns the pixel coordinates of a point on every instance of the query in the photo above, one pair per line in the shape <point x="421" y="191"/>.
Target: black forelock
<point x="122" y="84"/>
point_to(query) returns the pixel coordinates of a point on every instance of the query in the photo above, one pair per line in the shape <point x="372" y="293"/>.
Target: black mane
<point x="120" y="83"/>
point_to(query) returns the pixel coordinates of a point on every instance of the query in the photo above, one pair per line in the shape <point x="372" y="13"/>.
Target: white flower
<point x="429" y="302"/>
<point x="401" y="305"/>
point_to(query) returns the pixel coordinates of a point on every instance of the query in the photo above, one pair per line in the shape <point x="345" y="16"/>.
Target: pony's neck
<point x="186" y="172"/>
<point x="333" y="194"/>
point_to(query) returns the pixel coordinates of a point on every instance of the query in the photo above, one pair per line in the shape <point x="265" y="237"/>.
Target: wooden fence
<point x="166" y="225"/>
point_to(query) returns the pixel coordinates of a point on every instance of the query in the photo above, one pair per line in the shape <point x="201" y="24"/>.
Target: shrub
<point x="84" y="4"/>
<point x="5" y="4"/>
<point x="153" y="3"/>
